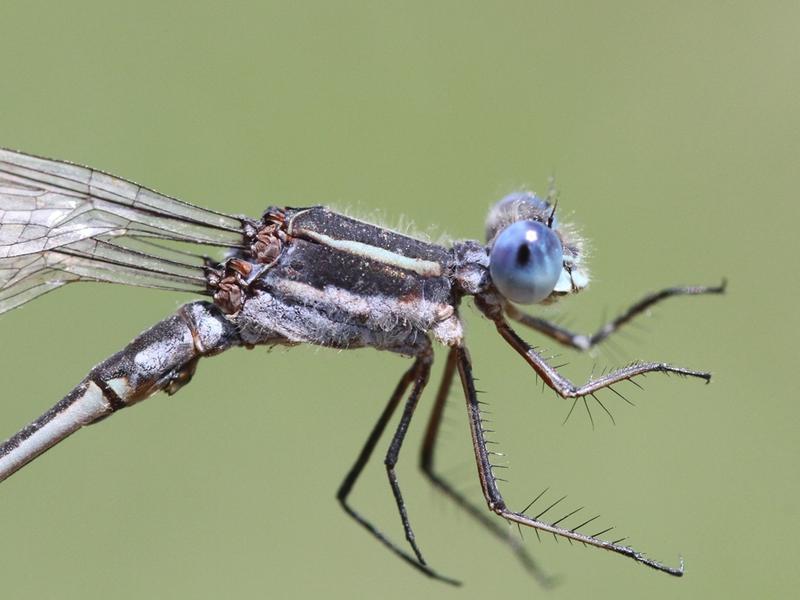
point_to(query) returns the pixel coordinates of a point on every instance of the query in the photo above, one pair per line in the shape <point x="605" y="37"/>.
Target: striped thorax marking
<point x="369" y="241"/>
<point x="358" y="284"/>
<point x="426" y="268"/>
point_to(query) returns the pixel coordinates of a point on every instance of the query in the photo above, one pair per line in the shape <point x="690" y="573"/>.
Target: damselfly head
<point x="533" y="257"/>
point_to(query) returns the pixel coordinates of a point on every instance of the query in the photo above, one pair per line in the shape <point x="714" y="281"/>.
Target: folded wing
<point x="61" y="222"/>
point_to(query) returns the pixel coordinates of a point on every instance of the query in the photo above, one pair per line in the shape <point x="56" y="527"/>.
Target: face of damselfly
<point x="533" y="257"/>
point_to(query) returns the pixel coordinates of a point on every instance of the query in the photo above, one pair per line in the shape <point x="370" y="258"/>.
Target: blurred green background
<point x="674" y="133"/>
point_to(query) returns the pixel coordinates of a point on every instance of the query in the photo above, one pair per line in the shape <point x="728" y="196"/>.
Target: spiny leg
<point x="426" y="463"/>
<point x="581" y="341"/>
<point x="560" y="384"/>
<point x="495" y="500"/>
<point x="392" y="454"/>
<point x="418" y="374"/>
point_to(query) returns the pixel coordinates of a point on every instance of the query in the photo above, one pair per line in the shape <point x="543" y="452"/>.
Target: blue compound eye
<point x="526" y="261"/>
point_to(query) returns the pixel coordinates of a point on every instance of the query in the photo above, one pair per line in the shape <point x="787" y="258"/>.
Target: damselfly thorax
<point x="303" y="275"/>
<point x="332" y="280"/>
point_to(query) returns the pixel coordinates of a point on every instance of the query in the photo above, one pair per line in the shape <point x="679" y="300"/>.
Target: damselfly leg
<point x="582" y="341"/>
<point x="566" y="389"/>
<point x="560" y="384"/>
<point x="495" y="499"/>
<point x="427" y="465"/>
<point x="417" y="375"/>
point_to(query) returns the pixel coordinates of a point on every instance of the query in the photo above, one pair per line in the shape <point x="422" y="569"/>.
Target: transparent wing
<point x="61" y="222"/>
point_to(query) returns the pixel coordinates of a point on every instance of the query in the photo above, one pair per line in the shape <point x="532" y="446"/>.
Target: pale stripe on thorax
<point x="425" y="268"/>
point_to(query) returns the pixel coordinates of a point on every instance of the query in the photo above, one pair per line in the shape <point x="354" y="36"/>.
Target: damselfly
<point x="300" y="275"/>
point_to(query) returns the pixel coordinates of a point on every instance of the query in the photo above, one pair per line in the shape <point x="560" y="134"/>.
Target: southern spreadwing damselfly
<point x="305" y="276"/>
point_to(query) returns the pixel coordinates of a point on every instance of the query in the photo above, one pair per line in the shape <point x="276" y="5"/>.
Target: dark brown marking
<point x="114" y="401"/>
<point x="267" y="246"/>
